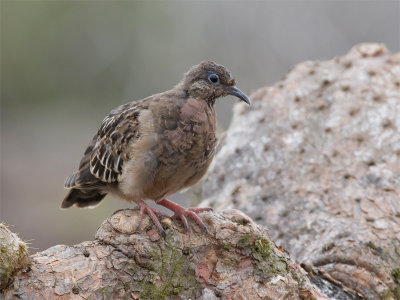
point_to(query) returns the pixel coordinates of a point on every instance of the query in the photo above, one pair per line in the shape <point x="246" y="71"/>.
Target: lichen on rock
<point x="13" y="256"/>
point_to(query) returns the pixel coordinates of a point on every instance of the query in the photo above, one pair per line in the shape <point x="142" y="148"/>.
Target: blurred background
<point x="66" y="64"/>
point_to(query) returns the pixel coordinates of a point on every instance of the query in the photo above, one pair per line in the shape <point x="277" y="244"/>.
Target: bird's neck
<point x="197" y="91"/>
<point x="211" y="103"/>
<point x="195" y="110"/>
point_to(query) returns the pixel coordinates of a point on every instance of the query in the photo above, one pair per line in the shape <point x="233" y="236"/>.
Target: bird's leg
<point x="152" y="212"/>
<point x="181" y="213"/>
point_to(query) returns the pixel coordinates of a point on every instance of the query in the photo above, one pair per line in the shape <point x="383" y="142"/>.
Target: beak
<point x="234" y="91"/>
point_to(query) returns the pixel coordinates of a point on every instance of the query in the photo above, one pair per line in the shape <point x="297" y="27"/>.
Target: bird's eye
<point x="214" y="79"/>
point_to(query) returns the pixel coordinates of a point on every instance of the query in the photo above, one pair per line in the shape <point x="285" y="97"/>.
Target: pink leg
<point x="181" y="213"/>
<point x="152" y="212"/>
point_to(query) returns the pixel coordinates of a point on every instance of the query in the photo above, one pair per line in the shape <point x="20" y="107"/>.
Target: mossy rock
<point x="13" y="256"/>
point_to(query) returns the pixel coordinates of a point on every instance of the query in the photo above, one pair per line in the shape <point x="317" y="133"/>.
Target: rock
<point x="316" y="159"/>
<point x="236" y="260"/>
<point x="13" y="256"/>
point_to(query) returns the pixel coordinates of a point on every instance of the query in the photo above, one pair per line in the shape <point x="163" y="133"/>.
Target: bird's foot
<point x="181" y="213"/>
<point x="152" y="213"/>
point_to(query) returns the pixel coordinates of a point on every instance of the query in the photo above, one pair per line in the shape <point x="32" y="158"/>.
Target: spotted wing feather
<point x="110" y="150"/>
<point x="104" y="157"/>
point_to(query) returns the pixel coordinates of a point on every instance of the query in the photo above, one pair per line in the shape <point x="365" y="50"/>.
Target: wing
<point x="83" y="178"/>
<point x="104" y="157"/>
<point x="109" y="153"/>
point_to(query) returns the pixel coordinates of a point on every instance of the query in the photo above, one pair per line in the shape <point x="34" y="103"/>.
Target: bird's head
<point x="209" y="81"/>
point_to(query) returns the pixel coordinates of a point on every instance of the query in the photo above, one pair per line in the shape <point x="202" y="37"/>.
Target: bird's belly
<point x="137" y="174"/>
<point x="170" y="179"/>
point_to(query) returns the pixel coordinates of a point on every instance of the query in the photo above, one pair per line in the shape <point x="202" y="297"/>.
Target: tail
<point x="83" y="198"/>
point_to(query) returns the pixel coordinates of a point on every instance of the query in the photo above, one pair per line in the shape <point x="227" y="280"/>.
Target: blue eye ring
<point x="214" y="79"/>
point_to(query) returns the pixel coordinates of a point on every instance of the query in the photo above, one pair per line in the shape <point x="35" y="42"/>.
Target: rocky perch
<point x="236" y="260"/>
<point x="315" y="159"/>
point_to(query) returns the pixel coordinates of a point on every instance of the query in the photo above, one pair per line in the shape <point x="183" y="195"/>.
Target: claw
<point x="183" y="219"/>
<point x="181" y="213"/>
<point x="152" y="212"/>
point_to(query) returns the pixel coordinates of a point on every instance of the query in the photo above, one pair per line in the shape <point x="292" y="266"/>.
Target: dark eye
<point x="214" y="79"/>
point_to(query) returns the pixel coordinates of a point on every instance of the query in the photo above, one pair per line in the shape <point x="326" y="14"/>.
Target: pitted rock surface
<point x="316" y="158"/>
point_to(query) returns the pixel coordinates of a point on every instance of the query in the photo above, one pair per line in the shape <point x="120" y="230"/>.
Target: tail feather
<point x="82" y="198"/>
<point x="71" y="181"/>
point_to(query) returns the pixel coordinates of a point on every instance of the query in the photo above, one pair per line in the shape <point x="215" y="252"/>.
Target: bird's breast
<point x="194" y="137"/>
<point x="185" y="149"/>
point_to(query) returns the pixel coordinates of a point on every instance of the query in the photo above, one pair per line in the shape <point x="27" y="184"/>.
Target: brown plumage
<point x="152" y="148"/>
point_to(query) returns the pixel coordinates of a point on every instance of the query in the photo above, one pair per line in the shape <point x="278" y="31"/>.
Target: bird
<point x="155" y="147"/>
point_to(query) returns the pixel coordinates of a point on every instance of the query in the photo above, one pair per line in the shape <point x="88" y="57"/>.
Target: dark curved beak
<point x="234" y="91"/>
